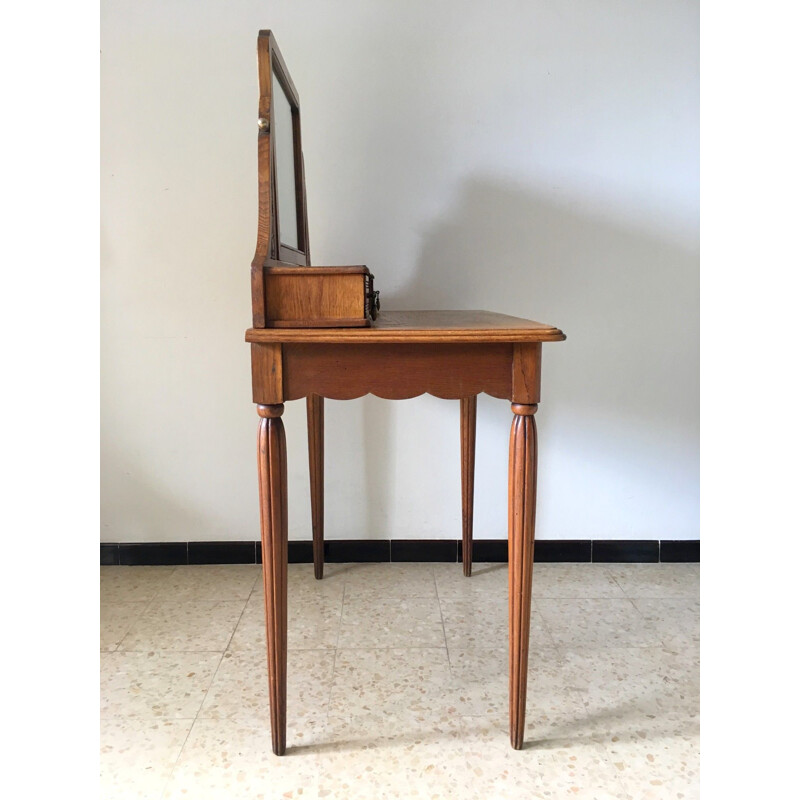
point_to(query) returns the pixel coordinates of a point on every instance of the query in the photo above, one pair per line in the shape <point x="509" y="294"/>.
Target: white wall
<point x="538" y="158"/>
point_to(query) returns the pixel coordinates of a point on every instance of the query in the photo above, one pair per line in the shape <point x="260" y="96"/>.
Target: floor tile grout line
<point x="210" y="683"/>
<point x="171" y="650"/>
<point x="558" y="648"/>
<point x="175" y="765"/>
<point x="335" y="652"/>
<point x="149" y="603"/>
<point x="441" y="617"/>
<point x="191" y="727"/>
<point x="127" y="631"/>
<point x="236" y="626"/>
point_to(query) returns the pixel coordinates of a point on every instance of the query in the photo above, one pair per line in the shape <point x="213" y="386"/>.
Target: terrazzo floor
<point x="398" y="684"/>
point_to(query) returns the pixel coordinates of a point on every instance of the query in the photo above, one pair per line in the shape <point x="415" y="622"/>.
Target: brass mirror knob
<point x="263" y="124"/>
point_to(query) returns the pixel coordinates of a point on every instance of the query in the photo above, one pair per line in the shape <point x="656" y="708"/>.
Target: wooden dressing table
<point x="396" y="355"/>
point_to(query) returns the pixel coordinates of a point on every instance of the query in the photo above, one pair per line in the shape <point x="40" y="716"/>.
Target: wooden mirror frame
<point x="270" y="251"/>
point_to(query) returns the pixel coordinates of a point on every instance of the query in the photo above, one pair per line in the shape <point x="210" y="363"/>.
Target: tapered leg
<point x="521" y="518"/>
<point x="315" y="410"/>
<point x="468" y="409"/>
<point x="274" y="551"/>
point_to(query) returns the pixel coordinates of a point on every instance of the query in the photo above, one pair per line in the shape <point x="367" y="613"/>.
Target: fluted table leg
<point x="274" y="549"/>
<point x="521" y="518"/>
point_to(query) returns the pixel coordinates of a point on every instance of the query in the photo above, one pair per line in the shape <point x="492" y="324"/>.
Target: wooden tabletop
<point x="454" y="327"/>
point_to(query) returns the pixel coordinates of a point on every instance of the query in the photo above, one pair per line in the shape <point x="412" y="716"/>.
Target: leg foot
<point x="274" y="549"/>
<point x="521" y="518"/>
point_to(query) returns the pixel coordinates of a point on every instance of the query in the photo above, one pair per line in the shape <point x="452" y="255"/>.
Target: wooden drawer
<point x="319" y="297"/>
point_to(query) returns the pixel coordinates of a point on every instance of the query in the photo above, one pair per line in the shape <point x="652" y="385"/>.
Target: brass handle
<point x="263" y="124"/>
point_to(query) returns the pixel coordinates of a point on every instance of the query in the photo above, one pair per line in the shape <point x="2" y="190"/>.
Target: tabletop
<point x="456" y="327"/>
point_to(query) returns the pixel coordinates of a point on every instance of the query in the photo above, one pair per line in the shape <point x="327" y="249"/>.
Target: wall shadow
<point x="627" y="299"/>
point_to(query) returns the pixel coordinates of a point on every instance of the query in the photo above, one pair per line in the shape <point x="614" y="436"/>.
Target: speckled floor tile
<point x="302" y="582"/>
<point x="612" y="695"/>
<point x="480" y="682"/>
<point x="597" y="623"/>
<point x="131" y="584"/>
<point x="137" y="756"/>
<point x="657" y="580"/>
<point x="228" y="759"/>
<point x="387" y="690"/>
<point x="673" y="619"/>
<point x="168" y="684"/>
<point x="250" y="633"/>
<point x="614" y="680"/>
<point x="427" y="765"/>
<point x="608" y="722"/>
<point x="583" y="769"/>
<point x="192" y="625"/>
<point x="665" y="767"/>
<point x="491" y="579"/>
<point x="116" y="620"/>
<point x="313" y="623"/>
<point x="391" y="622"/>
<point x="481" y="621"/>
<point x="240" y="689"/>
<point x="683" y="643"/>
<point x="574" y="581"/>
<point x="545" y="769"/>
<point x="390" y="580"/>
<point x="210" y="582"/>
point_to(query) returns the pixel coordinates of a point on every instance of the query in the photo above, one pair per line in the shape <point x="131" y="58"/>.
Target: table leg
<point x="468" y="410"/>
<point x="521" y="518"/>
<point x="274" y="557"/>
<point x="315" y="411"/>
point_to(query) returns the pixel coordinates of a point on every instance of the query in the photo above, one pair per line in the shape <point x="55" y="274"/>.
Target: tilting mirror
<point x="285" y="164"/>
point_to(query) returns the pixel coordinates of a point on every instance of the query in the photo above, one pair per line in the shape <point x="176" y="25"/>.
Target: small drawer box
<point x="319" y="297"/>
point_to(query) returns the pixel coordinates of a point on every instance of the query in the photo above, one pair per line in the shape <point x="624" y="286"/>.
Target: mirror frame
<point x="270" y="251"/>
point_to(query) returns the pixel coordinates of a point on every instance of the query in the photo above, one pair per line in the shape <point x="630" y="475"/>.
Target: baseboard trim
<point x="442" y="550"/>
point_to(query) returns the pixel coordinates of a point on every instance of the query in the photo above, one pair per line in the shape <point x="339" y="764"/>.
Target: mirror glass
<point x="284" y="164"/>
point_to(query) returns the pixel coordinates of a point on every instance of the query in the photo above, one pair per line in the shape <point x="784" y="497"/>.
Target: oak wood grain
<point x="299" y="348"/>
<point x="521" y="518"/>
<point x="320" y="322"/>
<point x="415" y="327"/>
<point x="266" y="364"/>
<point x="395" y="371"/>
<point x="269" y="249"/>
<point x="265" y="199"/>
<point x="315" y="413"/>
<point x="274" y="548"/>
<point x="468" y="415"/>
<point x="299" y="296"/>
<point x="527" y="377"/>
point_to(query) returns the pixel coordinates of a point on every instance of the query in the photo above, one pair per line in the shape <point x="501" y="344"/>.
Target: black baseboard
<point x="345" y="550"/>
<point x="630" y="552"/>
<point x="222" y="552"/>
<point x="299" y="553"/>
<point x="680" y="550"/>
<point x="443" y="550"/>
<point x="446" y="550"/>
<point x="567" y="550"/>
<point x="155" y="553"/>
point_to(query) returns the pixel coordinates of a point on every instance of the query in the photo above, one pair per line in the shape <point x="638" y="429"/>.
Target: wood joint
<point x="526" y="373"/>
<point x="270" y="411"/>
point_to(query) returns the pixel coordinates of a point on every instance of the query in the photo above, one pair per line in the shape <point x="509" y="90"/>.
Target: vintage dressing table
<point x="317" y="333"/>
